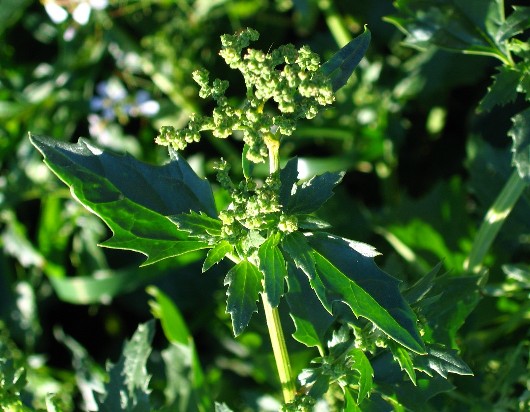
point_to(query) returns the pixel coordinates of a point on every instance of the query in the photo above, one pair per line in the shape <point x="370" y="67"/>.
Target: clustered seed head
<point x="287" y="77"/>
<point x="255" y="206"/>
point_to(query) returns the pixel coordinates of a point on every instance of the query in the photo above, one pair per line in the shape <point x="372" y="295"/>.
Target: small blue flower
<point x="113" y="101"/>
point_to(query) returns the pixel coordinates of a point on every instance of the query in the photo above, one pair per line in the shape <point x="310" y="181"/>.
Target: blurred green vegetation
<point x="423" y="167"/>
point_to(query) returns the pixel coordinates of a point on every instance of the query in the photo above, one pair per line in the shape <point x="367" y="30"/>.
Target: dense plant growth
<point x="422" y="151"/>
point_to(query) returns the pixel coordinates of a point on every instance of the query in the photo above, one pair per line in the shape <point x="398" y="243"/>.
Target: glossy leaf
<point x="198" y="225"/>
<point x="362" y="365"/>
<point x="217" y="253"/>
<point x="296" y="247"/>
<point x="309" y="196"/>
<point x="127" y="389"/>
<point x="131" y="197"/>
<point x="352" y="277"/>
<point x="503" y="89"/>
<point x="443" y="361"/>
<point x="341" y="66"/>
<point x="516" y="23"/>
<point x="272" y="265"/>
<point x="520" y="133"/>
<point x="405" y="361"/>
<point x="469" y="26"/>
<point x="244" y="286"/>
<point x="310" y="222"/>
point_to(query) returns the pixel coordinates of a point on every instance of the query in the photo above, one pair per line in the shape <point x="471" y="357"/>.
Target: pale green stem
<point x="272" y="315"/>
<point x="279" y="350"/>
<point x="493" y="221"/>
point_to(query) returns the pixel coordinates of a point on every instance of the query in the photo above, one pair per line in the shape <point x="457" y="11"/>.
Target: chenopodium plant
<point x="340" y="301"/>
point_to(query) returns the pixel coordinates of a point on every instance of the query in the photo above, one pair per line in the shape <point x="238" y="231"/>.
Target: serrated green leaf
<point x="244" y="286"/>
<point x="131" y="197"/>
<point x="503" y="89"/>
<point x="216" y="254"/>
<point x="517" y="22"/>
<point x="272" y="265"/>
<point x="520" y="133"/>
<point x="296" y="247"/>
<point x="443" y="361"/>
<point x="311" y="195"/>
<point x="468" y="26"/>
<point x="354" y="279"/>
<point x="127" y="389"/>
<point x="310" y="318"/>
<point x="198" y="225"/>
<point x="405" y="361"/>
<point x="341" y="66"/>
<point x="362" y="365"/>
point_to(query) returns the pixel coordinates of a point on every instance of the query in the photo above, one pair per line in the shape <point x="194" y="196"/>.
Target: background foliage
<point x="426" y="148"/>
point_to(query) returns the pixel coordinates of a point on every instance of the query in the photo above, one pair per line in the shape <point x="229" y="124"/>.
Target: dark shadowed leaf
<point x="133" y="198"/>
<point x="310" y="318"/>
<point x="341" y="66"/>
<point x="311" y="195"/>
<point x="503" y="89"/>
<point x="469" y="26"/>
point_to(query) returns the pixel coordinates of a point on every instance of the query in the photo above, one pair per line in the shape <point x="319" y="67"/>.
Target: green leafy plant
<point x="377" y="344"/>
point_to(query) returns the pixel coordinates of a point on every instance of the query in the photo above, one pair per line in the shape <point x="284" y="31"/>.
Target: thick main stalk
<point x="272" y="315"/>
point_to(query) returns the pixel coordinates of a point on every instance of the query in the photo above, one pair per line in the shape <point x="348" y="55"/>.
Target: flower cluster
<point x="255" y="206"/>
<point x="288" y="77"/>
